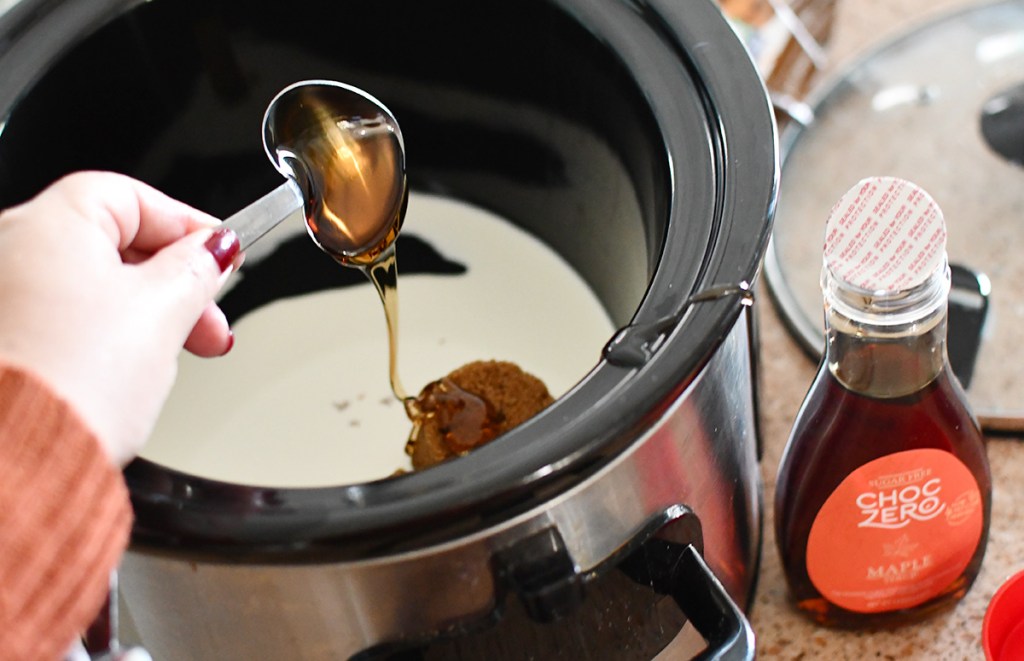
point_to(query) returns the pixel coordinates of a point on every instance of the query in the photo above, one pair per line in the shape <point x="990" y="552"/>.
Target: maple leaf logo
<point x="902" y="547"/>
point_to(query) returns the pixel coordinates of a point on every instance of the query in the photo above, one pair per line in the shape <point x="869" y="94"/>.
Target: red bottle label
<point x="896" y="532"/>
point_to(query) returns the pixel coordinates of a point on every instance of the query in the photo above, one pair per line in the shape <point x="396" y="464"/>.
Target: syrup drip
<point x="466" y="421"/>
<point x="384" y="275"/>
<point x="345" y="151"/>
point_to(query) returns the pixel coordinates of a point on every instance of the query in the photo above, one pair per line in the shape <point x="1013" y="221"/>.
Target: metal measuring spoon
<point x="342" y="153"/>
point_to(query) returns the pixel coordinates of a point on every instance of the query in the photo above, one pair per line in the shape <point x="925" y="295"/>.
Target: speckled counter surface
<point x="781" y="632"/>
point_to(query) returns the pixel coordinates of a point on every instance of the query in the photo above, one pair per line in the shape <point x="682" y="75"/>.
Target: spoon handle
<point x="266" y="213"/>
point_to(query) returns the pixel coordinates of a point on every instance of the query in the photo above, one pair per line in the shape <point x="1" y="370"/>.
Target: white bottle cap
<point x="885" y="235"/>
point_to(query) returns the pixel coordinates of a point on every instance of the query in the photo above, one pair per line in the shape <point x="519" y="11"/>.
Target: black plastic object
<point x="1002" y="123"/>
<point x="968" y="309"/>
<point x="671" y="563"/>
<point x="540" y="572"/>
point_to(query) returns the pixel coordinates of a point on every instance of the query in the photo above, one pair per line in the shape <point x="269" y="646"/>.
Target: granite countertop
<point x="782" y="633"/>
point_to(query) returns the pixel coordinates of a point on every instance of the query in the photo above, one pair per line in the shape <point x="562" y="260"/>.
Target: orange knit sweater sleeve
<point x="65" y="518"/>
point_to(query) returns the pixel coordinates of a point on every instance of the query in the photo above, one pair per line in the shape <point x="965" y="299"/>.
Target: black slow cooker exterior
<point x="492" y="99"/>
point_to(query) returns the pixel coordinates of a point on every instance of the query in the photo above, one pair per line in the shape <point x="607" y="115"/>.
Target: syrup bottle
<point x="884" y="491"/>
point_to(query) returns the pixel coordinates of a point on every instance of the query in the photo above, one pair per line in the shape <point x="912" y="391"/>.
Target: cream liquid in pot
<point x="303" y="398"/>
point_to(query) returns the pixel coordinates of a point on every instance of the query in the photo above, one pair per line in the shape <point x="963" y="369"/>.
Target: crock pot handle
<point x="670" y="561"/>
<point x="711" y="610"/>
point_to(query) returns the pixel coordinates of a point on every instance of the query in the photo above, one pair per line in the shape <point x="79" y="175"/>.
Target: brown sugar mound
<point x="470" y="407"/>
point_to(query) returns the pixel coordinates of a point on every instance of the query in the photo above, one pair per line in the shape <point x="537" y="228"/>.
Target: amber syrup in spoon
<point x="345" y="150"/>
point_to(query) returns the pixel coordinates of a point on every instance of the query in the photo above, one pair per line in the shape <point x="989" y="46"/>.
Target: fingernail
<point x="231" y="341"/>
<point x="223" y="245"/>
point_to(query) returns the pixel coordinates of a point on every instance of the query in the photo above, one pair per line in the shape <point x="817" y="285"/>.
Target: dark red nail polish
<point x="223" y="245"/>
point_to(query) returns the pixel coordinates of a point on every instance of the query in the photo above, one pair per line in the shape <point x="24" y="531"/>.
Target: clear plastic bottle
<point x="883" y="494"/>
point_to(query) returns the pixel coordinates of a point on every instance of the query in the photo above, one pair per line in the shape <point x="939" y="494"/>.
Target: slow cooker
<point x="597" y="528"/>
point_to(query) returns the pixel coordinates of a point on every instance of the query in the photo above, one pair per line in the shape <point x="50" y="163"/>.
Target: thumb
<point x="182" y="279"/>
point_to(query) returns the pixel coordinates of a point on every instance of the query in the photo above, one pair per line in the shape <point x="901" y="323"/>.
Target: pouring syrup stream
<point x="344" y="150"/>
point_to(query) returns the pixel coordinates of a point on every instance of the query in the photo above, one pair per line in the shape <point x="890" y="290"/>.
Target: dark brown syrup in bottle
<point x="883" y="497"/>
<point x="868" y="428"/>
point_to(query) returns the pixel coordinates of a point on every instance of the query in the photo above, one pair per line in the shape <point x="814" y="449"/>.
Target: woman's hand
<point x="102" y="281"/>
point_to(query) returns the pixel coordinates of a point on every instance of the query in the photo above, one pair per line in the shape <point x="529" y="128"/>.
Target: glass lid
<point x="943" y="106"/>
